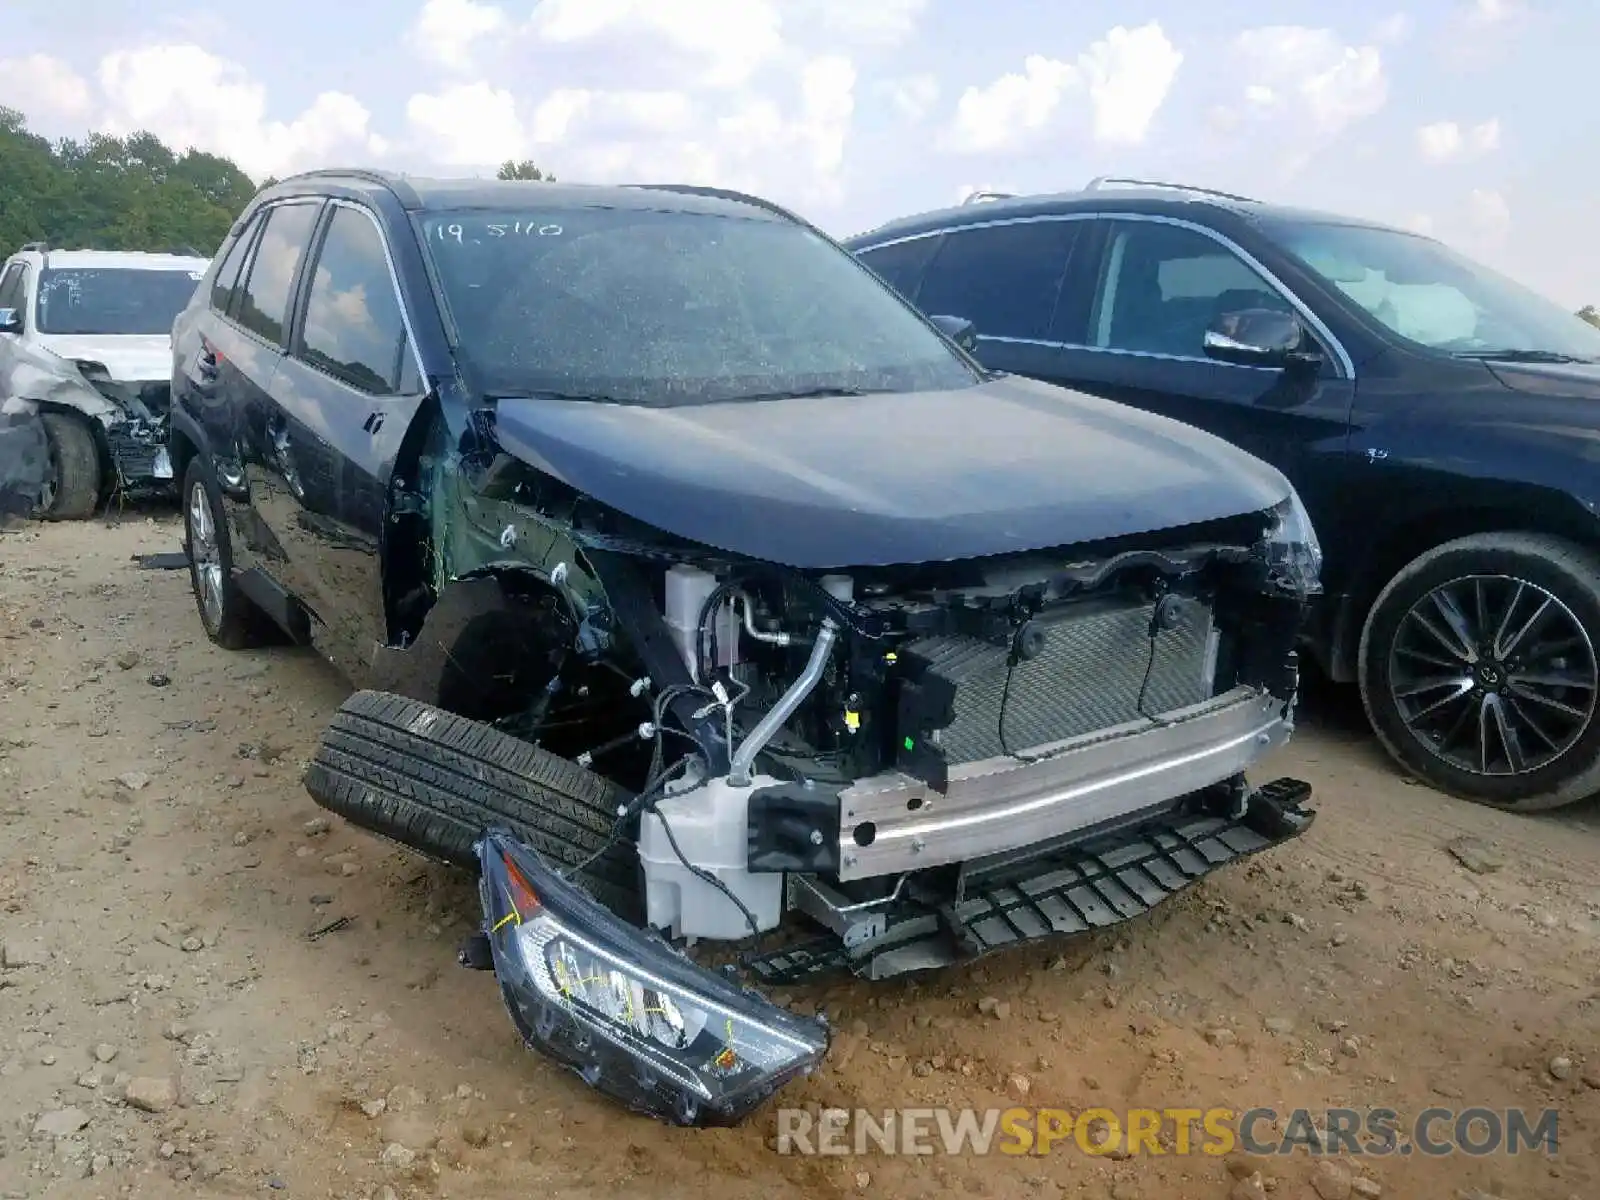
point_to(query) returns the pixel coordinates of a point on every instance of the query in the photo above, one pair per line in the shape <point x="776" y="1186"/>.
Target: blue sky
<point x="1464" y="118"/>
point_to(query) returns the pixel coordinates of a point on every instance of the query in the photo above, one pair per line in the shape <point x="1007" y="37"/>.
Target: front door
<point x="346" y="395"/>
<point x="1145" y="298"/>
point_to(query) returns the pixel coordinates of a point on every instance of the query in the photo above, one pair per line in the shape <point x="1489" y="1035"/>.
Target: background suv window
<point x="1002" y="278"/>
<point x="11" y="286"/>
<point x="226" y="282"/>
<point x="353" y="328"/>
<point x="265" y="307"/>
<point x="1163" y="285"/>
<point x="901" y="264"/>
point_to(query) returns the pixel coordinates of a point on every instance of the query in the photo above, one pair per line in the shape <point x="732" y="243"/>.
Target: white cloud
<point x="914" y="96"/>
<point x="1490" y="214"/>
<point x="1004" y="114"/>
<point x="1493" y="12"/>
<point x="729" y="38"/>
<point x="1446" y="141"/>
<point x="1130" y="73"/>
<point x="447" y="31"/>
<point x="470" y="124"/>
<point x="40" y="85"/>
<point x="662" y="113"/>
<point x="1393" y="29"/>
<point x="190" y="97"/>
<point x="1310" y="74"/>
<point x="1126" y="76"/>
<point x="884" y="22"/>
<point x="1421" y="222"/>
<point x="753" y="143"/>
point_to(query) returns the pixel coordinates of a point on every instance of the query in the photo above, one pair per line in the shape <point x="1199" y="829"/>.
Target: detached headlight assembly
<point x="630" y="1015"/>
<point x="1293" y="553"/>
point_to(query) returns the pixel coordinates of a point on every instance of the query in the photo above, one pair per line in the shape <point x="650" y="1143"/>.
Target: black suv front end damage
<point x="888" y="769"/>
<point x="729" y="602"/>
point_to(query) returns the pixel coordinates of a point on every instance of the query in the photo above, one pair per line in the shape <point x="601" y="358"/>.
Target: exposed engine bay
<point x="890" y="728"/>
<point x="863" y="746"/>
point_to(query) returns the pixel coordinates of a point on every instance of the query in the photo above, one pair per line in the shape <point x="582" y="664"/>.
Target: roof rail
<point x="1103" y="181"/>
<point x="716" y="193"/>
<point x="986" y="197"/>
<point x="35" y="248"/>
<point x="397" y="185"/>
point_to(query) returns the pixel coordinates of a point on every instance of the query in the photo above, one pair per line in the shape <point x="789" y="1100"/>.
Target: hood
<point x="130" y="358"/>
<point x="1577" y="380"/>
<point x="1006" y="466"/>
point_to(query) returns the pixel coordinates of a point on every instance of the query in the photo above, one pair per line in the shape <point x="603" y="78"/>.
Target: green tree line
<point x="1590" y="314"/>
<point x="108" y="193"/>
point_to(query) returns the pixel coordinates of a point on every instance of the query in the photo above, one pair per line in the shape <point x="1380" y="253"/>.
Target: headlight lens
<point x="635" y="1019"/>
<point x="1293" y="553"/>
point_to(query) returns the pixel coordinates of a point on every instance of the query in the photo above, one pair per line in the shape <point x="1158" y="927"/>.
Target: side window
<point x="1002" y="278"/>
<point x="353" y="327"/>
<point x="1161" y="286"/>
<point x="264" y="308"/>
<point x="901" y="264"/>
<point x="226" y="281"/>
<point x="12" y="289"/>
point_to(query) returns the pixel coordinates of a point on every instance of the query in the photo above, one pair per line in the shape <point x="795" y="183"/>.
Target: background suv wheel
<point x="229" y="618"/>
<point x="1480" y="670"/>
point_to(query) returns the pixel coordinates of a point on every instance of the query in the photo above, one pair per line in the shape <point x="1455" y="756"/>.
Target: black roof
<point x="425" y="195"/>
<point x="1160" y="201"/>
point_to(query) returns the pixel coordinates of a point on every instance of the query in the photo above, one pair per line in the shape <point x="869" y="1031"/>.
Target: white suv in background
<point x="86" y="340"/>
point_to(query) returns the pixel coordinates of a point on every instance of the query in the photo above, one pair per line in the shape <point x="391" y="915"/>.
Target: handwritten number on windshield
<point x="457" y="233"/>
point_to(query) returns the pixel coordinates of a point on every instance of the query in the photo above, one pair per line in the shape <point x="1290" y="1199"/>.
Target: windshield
<point x="665" y="308"/>
<point x="107" y="300"/>
<point x="1428" y="293"/>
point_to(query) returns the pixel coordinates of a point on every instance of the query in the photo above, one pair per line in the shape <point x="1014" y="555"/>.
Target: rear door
<point x="1144" y="299"/>
<point x="346" y="395"/>
<point x="1005" y="277"/>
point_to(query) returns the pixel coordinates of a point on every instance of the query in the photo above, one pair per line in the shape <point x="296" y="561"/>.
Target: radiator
<point x="1087" y="677"/>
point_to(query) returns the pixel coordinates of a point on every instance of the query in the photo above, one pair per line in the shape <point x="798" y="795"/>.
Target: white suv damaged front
<point x="88" y="334"/>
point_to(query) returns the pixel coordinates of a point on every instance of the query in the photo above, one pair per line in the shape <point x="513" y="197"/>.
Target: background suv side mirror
<point x="1260" y="337"/>
<point x="960" y="331"/>
<point x="10" y="320"/>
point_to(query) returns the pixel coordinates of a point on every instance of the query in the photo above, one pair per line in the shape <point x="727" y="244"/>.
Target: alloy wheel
<point x="1493" y="674"/>
<point x="204" y="556"/>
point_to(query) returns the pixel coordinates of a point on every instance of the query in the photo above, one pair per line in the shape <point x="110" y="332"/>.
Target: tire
<point x="1455" y="670"/>
<point x="434" y="781"/>
<point x="75" y="456"/>
<point x="233" y="622"/>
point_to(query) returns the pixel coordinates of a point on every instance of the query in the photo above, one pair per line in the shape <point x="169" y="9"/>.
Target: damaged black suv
<point x="701" y="587"/>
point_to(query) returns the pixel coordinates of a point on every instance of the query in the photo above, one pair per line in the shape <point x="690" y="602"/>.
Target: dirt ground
<point x="168" y="1027"/>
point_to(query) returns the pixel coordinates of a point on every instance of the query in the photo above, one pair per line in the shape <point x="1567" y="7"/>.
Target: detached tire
<point x="75" y="458"/>
<point x="1480" y="671"/>
<point x="434" y="781"/>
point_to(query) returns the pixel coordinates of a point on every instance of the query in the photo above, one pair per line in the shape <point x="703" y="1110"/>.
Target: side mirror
<point x="1260" y="337"/>
<point x="960" y="331"/>
<point x="10" y="320"/>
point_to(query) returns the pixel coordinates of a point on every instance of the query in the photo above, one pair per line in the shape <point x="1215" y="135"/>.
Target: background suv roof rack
<point x="1103" y="181"/>
<point x="986" y="197"/>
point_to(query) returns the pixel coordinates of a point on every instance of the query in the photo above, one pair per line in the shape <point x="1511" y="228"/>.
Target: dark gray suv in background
<point x="1438" y="419"/>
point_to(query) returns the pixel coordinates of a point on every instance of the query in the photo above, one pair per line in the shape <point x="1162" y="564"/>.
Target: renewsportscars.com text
<point x="1167" y="1131"/>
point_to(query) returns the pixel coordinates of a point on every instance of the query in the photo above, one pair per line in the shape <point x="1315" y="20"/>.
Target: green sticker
<point x="910" y="745"/>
